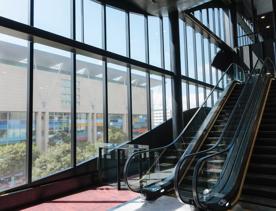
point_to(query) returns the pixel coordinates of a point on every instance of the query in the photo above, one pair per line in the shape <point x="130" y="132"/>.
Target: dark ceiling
<point x="155" y="7"/>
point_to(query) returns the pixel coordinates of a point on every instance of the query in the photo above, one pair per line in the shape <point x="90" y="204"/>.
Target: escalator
<point x="216" y="178"/>
<point x="211" y="142"/>
<point x="152" y="172"/>
<point x="260" y="182"/>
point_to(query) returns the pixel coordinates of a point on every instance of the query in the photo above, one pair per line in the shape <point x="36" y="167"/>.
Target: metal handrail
<point x="182" y="132"/>
<point x="200" y="162"/>
<point x="179" y="164"/>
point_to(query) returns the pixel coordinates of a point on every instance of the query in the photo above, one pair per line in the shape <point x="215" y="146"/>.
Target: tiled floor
<point x="98" y="199"/>
<point x="164" y="203"/>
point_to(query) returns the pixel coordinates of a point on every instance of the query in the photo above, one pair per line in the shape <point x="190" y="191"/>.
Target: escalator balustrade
<point x="260" y="183"/>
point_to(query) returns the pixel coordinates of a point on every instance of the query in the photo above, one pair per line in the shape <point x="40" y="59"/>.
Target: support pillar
<point x="38" y="129"/>
<point x="177" y="114"/>
<point x="45" y="130"/>
<point x="90" y="124"/>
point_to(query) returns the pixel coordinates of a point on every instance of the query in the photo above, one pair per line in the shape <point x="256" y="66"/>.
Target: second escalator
<point x="213" y="135"/>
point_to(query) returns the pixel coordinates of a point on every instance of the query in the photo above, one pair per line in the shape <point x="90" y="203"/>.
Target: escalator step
<point x="259" y="190"/>
<point x="263" y="158"/>
<point x="261" y="179"/>
<point x="257" y="168"/>
<point x="262" y="149"/>
<point x="251" y="198"/>
<point x="268" y="127"/>
<point x="266" y="141"/>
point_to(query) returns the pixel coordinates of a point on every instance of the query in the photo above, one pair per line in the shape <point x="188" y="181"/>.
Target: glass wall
<point x="218" y="21"/>
<point x="52" y="111"/>
<point x="154" y="41"/>
<point x="53" y="16"/>
<point x="139" y="103"/>
<point x="117" y="103"/>
<point x="13" y="111"/>
<point x="89" y="24"/>
<point x="105" y="88"/>
<point x="166" y="34"/>
<point x="193" y="96"/>
<point x="116" y="30"/>
<point x="168" y="97"/>
<point x="191" y="52"/>
<point x="156" y="93"/>
<point x="197" y="53"/>
<point x="185" y="97"/>
<point x="18" y="13"/>
<point x="137" y="37"/>
<point x="89" y="107"/>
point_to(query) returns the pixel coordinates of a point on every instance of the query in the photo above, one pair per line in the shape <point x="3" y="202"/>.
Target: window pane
<point x="190" y="46"/>
<point x="166" y="32"/>
<point x="52" y="111"/>
<point x="211" y="19"/>
<point x="79" y="20"/>
<point x="182" y="38"/>
<point x="116" y="31"/>
<point x="93" y="23"/>
<point x="216" y="13"/>
<point x="204" y="17"/>
<point x="207" y="60"/>
<point x="156" y="100"/>
<point x="228" y="31"/>
<point x="200" y="95"/>
<point x="13" y="111"/>
<point x="18" y="13"/>
<point x="197" y="14"/>
<point x="169" y="97"/>
<point x="214" y="71"/>
<point x="89" y="107"/>
<point x="199" y="56"/>
<point x="117" y="104"/>
<point x="137" y="37"/>
<point x="53" y="16"/>
<point x="154" y="41"/>
<point x="222" y="31"/>
<point x="184" y="96"/>
<point x="139" y="102"/>
<point x="209" y="101"/>
<point x="219" y="77"/>
<point x="192" y="89"/>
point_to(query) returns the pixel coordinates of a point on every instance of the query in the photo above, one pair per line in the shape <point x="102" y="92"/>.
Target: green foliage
<point x="85" y="151"/>
<point x="116" y="135"/>
<point x="56" y="158"/>
<point x="13" y="158"/>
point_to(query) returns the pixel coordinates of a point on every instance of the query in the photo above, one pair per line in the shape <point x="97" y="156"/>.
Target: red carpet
<point x="98" y="199"/>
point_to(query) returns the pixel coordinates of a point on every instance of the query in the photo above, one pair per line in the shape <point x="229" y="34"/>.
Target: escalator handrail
<point x="200" y="162"/>
<point x="182" y="132"/>
<point x="185" y="157"/>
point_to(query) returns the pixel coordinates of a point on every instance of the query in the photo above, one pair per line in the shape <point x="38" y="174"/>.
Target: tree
<point x="13" y="158"/>
<point x="116" y="135"/>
